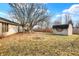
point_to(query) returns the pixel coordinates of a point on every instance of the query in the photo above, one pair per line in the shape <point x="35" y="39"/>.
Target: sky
<point x="60" y="8"/>
<point x="4" y="9"/>
<point x="55" y="9"/>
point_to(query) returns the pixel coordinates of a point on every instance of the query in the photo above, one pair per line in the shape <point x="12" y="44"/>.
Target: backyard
<point x="39" y="44"/>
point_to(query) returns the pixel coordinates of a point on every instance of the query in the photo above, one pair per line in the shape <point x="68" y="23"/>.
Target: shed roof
<point x="64" y="26"/>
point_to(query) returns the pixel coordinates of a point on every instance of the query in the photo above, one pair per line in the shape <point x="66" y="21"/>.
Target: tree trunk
<point x="23" y="30"/>
<point x="30" y="29"/>
<point x="27" y="29"/>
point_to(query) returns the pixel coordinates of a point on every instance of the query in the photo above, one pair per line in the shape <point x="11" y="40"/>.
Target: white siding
<point x="20" y="29"/>
<point x="64" y="32"/>
<point x="70" y="30"/>
<point x="0" y="29"/>
<point x="11" y="30"/>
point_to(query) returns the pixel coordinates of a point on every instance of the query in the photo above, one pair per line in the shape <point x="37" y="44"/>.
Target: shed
<point x="64" y="29"/>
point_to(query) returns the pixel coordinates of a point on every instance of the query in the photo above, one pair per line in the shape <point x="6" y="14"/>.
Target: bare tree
<point x="77" y="24"/>
<point x="29" y="14"/>
<point x="44" y="24"/>
<point x="58" y="21"/>
<point x="67" y="18"/>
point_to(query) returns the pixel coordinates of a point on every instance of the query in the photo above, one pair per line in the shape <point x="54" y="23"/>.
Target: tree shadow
<point x="56" y="34"/>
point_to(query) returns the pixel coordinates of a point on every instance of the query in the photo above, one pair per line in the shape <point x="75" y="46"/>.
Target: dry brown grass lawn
<point x="39" y="44"/>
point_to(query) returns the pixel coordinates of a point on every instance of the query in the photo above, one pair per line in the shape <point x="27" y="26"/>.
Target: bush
<point x="43" y="30"/>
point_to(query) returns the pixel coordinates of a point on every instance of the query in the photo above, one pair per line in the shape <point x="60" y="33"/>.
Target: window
<point x="4" y="27"/>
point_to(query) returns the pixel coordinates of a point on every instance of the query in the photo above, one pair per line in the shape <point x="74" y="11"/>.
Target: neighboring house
<point x="8" y="27"/>
<point x="65" y="29"/>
